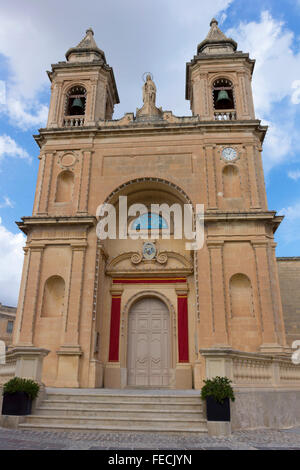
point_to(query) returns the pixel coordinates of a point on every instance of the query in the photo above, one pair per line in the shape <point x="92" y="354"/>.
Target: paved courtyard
<point x="242" y="440"/>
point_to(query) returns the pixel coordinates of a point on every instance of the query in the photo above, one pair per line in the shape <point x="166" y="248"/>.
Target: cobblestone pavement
<point x="242" y="440"/>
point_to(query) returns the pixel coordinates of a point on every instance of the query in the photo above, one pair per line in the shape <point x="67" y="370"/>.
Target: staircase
<point x="169" y="411"/>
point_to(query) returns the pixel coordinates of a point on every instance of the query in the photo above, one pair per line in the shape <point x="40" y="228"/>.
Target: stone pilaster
<point x="45" y="184"/>
<point x="84" y="182"/>
<point x="220" y="328"/>
<point x="211" y="177"/>
<point x="28" y="309"/>
<point x="270" y="339"/>
<point x="70" y="351"/>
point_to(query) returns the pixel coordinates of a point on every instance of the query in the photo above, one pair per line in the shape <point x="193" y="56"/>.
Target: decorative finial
<point x="214" y="21"/>
<point x="90" y="30"/>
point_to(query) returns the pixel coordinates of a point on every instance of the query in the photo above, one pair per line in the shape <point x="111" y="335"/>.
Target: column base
<point x="197" y="376"/>
<point x="184" y="377"/>
<point x="29" y="362"/>
<point x="115" y="376"/>
<point x="96" y="374"/>
<point x="68" y="367"/>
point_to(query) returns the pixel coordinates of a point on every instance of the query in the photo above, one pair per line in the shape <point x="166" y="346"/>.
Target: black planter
<point x="216" y="411"/>
<point x="16" y="404"/>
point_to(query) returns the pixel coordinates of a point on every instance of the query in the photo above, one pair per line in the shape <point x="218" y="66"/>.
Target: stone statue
<point x="149" y="110"/>
<point x="149" y="91"/>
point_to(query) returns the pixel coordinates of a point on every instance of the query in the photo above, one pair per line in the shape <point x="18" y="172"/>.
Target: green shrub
<point x="219" y="388"/>
<point x="17" y="384"/>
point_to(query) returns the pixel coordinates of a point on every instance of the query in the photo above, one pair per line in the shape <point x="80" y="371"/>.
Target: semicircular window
<point x="149" y="221"/>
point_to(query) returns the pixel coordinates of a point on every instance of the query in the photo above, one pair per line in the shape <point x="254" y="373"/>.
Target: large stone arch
<point x="172" y="186"/>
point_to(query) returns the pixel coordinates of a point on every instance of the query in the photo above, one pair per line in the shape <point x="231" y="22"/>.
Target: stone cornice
<point x="217" y="216"/>
<point x="29" y="222"/>
<point x="137" y="128"/>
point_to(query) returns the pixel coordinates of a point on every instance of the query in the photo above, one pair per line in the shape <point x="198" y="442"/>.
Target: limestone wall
<point x="289" y="279"/>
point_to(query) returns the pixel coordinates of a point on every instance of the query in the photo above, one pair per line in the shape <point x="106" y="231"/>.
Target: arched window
<point x="149" y="221"/>
<point x="241" y="296"/>
<point x="53" y="298"/>
<point x="65" y="185"/>
<point x="231" y="182"/>
<point x="223" y="95"/>
<point x="75" y="102"/>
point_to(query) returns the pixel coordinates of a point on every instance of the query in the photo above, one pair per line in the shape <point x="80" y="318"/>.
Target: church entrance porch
<point x="149" y="344"/>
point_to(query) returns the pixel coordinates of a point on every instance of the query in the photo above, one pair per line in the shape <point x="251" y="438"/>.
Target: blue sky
<point x="137" y="36"/>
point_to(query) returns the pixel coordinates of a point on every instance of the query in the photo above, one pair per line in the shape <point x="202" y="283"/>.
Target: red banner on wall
<point x="183" y="334"/>
<point x="154" y="280"/>
<point x="114" y="329"/>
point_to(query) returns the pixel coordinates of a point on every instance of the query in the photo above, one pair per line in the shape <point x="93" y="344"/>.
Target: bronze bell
<point x="77" y="106"/>
<point x="223" y="98"/>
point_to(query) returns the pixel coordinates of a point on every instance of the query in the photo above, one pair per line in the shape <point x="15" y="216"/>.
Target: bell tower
<point x="218" y="79"/>
<point x="83" y="89"/>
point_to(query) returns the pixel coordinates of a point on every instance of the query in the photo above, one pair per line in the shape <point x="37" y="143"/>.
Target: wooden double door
<point x="149" y="353"/>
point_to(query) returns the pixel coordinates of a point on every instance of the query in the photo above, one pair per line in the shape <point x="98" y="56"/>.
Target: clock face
<point x="149" y="250"/>
<point x="229" y="154"/>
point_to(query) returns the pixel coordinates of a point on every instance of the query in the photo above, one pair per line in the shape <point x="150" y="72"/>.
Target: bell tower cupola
<point x="218" y="79"/>
<point x="83" y="88"/>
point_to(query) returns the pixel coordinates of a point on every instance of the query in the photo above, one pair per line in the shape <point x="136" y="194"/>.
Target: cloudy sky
<point x="159" y="36"/>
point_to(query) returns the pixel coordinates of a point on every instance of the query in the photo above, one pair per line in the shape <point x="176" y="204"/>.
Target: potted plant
<point x="218" y="392"/>
<point x="18" y="395"/>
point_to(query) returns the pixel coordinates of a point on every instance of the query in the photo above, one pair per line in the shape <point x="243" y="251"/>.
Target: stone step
<point x="194" y="400"/>
<point x="118" y="429"/>
<point x="125" y="405"/>
<point x="105" y="410"/>
<point x="129" y="423"/>
<point x="102" y="413"/>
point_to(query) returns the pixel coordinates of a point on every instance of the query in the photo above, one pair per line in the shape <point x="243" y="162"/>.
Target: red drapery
<point x="114" y="329"/>
<point x="183" y="337"/>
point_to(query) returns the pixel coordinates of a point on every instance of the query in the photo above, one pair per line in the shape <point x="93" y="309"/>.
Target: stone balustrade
<point x="252" y="369"/>
<point x="73" y="121"/>
<point x="225" y="115"/>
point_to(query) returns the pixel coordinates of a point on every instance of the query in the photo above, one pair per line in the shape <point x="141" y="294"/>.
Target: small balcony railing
<point x="225" y="115"/>
<point x="73" y="121"/>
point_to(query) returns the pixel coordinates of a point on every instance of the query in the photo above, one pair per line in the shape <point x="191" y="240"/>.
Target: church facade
<point x="126" y="312"/>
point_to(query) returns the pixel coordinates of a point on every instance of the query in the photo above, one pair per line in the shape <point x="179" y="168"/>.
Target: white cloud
<point x="294" y="175"/>
<point x="277" y="66"/>
<point x="11" y="255"/>
<point x="278" y="143"/>
<point x="290" y="227"/>
<point x="276" y="77"/>
<point x="6" y="203"/>
<point x="8" y="147"/>
<point x="295" y="98"/>
<point x="26" y="114"/>
<point x="2" y="92"/>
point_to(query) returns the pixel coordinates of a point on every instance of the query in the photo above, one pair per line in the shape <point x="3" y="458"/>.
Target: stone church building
<point x="120" y="313"/>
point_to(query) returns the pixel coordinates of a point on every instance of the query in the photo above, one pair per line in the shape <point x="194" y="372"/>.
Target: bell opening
<point x="76" y="102"/>
<point x="223" y="95"/>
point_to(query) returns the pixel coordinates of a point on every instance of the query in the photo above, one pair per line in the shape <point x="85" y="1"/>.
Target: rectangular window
<point x="10" y="325"/>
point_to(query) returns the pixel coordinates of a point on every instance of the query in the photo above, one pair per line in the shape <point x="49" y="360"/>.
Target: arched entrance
<point x="149" y="351"/>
